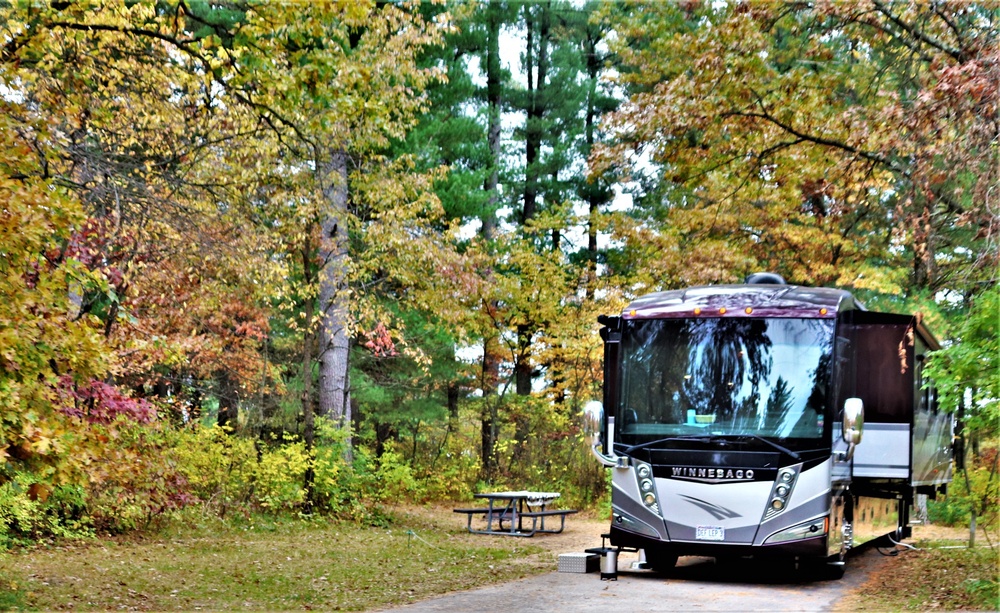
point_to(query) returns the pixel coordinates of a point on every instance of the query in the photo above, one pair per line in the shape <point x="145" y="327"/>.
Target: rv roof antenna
<point x="765" y="278"/>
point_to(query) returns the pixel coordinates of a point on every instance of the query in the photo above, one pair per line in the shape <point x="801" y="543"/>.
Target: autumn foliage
<point x="315" y="257"/>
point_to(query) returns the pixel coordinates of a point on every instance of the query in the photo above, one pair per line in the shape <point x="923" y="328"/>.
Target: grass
<point x="197" y="563"/>
<point x="939" y="575"/>
<point x="268" y="565"/>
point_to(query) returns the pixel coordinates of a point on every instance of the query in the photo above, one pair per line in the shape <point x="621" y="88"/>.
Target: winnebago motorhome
<point x="766" y="419"/>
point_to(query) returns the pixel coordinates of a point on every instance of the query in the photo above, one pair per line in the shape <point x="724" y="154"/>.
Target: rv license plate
<point x="710" y="533"/>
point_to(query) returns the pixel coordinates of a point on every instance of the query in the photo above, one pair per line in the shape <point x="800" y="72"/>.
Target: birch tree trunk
<point x="334" y="342"/>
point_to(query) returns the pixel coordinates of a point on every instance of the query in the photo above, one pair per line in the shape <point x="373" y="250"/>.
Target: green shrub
<point x="218" y="467"/>
<point x="977" y="487"/>
<point x="951" y="510"/>
<point x="450" y="474"/>
<point x="554" y="455"/>
<point x="136" y="479"/>
<point x="65" y="512"/>
<point x="139" y="473"/>
<point x="17" y="512"/>
<point x="394" y="480"/>
<point x="339" y="483"/>
<point x="30" y="511"/>
<point x="279" y="476"/>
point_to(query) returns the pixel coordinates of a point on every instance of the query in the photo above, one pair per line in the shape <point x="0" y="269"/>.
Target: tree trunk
<point x="488" y="418"/>
<point x="452" y="404"/>
<point x="594" y="199"/>
<point x="493" y="93"/>
<point x="334" y="343"/>
<point x="537" y="69"/>
<point x="536" y="66"/>
<point x="305" y="369"/>
<point x="228" y="401"/>
<point x="491" y="355"/>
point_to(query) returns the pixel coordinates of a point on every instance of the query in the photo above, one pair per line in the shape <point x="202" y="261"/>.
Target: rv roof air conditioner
<point x="765" y="278"/>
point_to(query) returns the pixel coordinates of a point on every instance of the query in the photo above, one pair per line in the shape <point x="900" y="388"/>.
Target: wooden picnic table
<point x="515" y="508"/>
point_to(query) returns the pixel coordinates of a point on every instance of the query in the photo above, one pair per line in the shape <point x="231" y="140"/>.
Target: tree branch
<point x="182" y="44"/>
<point x="918" y="34"/>
<point x="269" y="115"/>
<point x="818" y="140"/>
<point x="951" y="24"/>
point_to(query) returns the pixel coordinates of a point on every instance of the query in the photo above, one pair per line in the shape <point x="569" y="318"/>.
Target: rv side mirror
<point x="854" y="423"/>
<point x="593" y="417"/>
<point x="594" y="412"/>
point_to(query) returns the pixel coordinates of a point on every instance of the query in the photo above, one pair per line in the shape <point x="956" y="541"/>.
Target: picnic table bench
<point x="514" y="508"/>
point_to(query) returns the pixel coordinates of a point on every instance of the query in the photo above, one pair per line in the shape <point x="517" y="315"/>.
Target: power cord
<point x="411" y="533"/>
<point x="895" y="552"/>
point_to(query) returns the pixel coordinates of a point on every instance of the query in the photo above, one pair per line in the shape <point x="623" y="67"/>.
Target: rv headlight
<point x="782" y="492"/>
<point x="647" y="489"/>
<point x="808" y="530"/>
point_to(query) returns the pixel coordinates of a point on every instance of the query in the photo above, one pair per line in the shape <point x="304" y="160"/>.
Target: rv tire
<point x="661" y="561"/>
<point x="832" y="570"/>
<point x="823" y="569"/>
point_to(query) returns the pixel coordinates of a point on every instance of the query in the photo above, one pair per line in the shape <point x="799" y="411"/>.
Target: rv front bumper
<point x="806" y="548"/>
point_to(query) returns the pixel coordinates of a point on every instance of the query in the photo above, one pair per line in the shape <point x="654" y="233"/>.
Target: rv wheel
<point x="831" y="569"/>
<point x="835" y="571"/>
<point x="661" y="561"/>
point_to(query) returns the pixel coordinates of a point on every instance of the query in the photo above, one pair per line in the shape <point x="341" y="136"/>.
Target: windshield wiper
<point x="711" y="439"/>
<point x="780" y="448"/>
<point x="669" y="439"/>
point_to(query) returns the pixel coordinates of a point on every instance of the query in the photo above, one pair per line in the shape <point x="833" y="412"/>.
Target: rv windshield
<point x="725" y="376"/>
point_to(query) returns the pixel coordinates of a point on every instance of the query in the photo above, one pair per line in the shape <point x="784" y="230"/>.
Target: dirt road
<point x="698" y="584"/>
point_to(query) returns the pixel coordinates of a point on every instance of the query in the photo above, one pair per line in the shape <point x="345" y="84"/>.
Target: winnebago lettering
<point x="733" y="419"/>
<point x="729" y="474"/>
